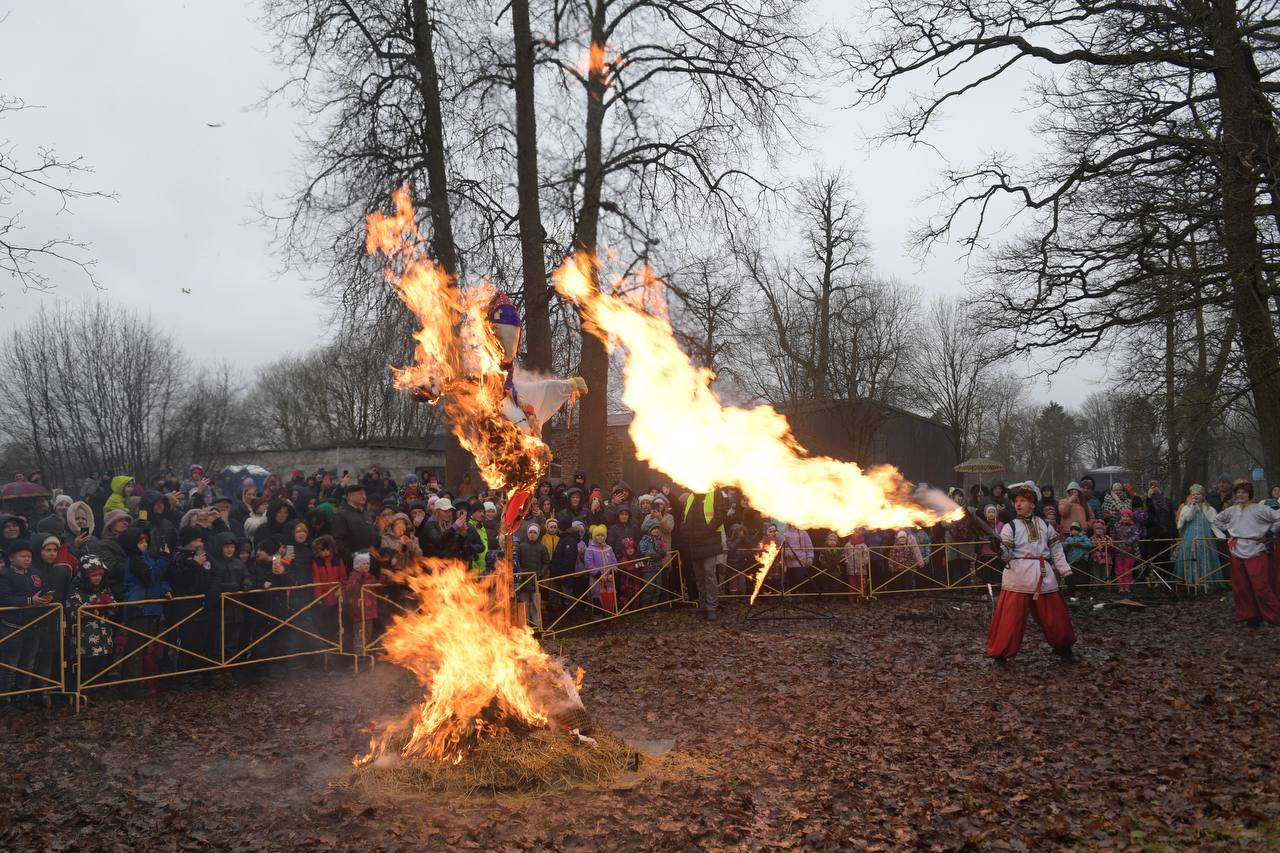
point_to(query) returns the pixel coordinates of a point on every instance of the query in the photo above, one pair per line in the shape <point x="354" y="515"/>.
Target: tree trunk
<point x="594" y="420"/>
<point x="1242" y="125"/>
<point x="1173" y="440"/>
<point x="456" y="459"/>
<point x="537" y="296"/>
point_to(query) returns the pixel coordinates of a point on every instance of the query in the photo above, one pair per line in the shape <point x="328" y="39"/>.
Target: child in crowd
<point x="327" y="568"/>
<point x="629" y="573"/>
<point x="20" y="587"/>
<point x="857" y="565"/>
<point x="1126" y="536"/>
<point x="550" y="538"/>
<point x="1100" y="555"/>
<point x="989" y="565"/>
<point x="361" y="604"/>
<point x="829" y="562"/>
<point x="600" y="561"/>
<point x="904" y="555"/>
<point x="229" y="577"/>
<point x="95" y="649"/>
<point x="1076" y="546"/>
<point x="655" y="554"/>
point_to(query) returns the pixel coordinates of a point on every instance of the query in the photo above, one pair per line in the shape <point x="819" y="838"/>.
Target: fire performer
<point x="1034" y="561"/>
<point x="1246" y="524"/>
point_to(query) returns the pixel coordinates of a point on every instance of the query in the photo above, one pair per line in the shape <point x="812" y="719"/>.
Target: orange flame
<point x="456" y="356"/>
<point x="481" y="674"/>
<point x="768" y="553"/>
<point x="687" y="434"/>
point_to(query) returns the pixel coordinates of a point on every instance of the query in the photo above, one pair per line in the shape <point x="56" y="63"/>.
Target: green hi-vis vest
<point x="708" y="507"/>
<point x="477" y="562"/>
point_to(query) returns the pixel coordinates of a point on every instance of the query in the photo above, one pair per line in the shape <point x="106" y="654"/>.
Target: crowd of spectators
<point x="148" y="555"/>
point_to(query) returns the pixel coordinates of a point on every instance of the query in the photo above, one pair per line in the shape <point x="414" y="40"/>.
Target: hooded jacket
<point x="619" y="530"/>
<point x="226" y="575"/>
<point x="118" y="485"/>
<point x="144" y="574"/>
<point x="23" y="534"/>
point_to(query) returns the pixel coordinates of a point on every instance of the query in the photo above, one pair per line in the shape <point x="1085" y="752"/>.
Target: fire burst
<point x="481" y="674"/>
<point x="688" y="435"/>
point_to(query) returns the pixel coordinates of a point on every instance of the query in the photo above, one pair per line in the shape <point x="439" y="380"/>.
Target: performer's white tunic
<point x="1247" y="526"/>
<point x="1031" y="556"/>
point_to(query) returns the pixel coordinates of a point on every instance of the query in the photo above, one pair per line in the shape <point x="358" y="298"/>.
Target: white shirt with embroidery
<point x="1032" y="550"/>
<point x="1247" y="526"/>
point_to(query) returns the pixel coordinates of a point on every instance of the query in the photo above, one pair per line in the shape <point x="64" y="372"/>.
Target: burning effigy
<point x="498" y="713"/>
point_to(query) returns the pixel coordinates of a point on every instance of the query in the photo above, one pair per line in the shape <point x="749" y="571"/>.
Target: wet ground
<point x="879" y="727"/>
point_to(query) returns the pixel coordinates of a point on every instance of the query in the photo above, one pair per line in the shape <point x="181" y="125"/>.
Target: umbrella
<point x="979" y="465"/>
<point x="22" y="489"/>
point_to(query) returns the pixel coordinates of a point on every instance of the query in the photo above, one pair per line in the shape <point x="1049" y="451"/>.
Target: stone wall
<point x="398" y="460"/>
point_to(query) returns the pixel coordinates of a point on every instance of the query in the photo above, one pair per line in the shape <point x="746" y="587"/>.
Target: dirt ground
<point x="880" y="728"/>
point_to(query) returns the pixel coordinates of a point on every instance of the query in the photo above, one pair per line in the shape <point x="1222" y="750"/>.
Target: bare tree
<point x="46" y="177"/>
<point x="1133" y="93"/>
<point x="949" y="370"/>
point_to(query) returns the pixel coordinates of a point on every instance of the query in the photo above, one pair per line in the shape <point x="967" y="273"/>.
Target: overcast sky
<point x="134" y="85"/>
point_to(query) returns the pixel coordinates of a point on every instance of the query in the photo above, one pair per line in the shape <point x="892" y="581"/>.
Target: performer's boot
<point x="1066" y="655"/>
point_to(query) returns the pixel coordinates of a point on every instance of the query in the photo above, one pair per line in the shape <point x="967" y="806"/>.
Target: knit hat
<point x="599" y="530"/>
<point x="221" y="499"/>
<point x="91" y="563"/>
<point x="1075" y="525"/>
<point x="113" y="516"/>
<point x="578" y="526"/>
<point x="533" y="530"/>
<point x="553" y="526"/>
<point x="490" y="505"/>
<point x="628" y="542"/>
<point x="360" y="559"/>
<point x="649" y="524"/>
<point x="62" y="499"/>
<point x="1073" y="486"/>
<point x="50" y="540"/>
<point x="187" y="535"/>
<point x="1126" y="512"/>
<point x="20" y="545"/>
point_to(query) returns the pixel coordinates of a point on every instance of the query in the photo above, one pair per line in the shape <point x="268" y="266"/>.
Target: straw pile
<point x="508" y="764"/>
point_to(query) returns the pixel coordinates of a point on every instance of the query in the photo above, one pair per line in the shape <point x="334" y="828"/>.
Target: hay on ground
<point x="507" y="764"/>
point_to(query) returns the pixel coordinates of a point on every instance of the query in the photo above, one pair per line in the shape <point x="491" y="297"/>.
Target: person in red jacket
<point x="327" y="568"/>
<point x="361" y="604"/>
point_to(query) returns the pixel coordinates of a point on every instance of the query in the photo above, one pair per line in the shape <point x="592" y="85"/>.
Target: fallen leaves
<point x="880" y="729"/>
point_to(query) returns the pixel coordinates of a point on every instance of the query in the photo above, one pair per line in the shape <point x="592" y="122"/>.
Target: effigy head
<point x="505" y="321"/>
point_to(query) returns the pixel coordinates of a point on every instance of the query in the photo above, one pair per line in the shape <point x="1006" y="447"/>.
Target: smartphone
<point x="288" y="551"/>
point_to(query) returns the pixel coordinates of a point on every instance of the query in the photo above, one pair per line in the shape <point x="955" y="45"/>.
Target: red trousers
<point x="1251" y="588"/>
<point x="1009" y="623"/>
<point x="1124" y="571"/>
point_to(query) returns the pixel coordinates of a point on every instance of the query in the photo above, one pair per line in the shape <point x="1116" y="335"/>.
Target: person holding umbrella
<point x="1034" y="560"/>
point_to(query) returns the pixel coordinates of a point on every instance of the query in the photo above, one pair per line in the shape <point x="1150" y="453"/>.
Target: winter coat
<point x="56" y="577"/>
<point x="355" y="594"/>
<point x="533" y="558"/>
<point x="16" y="590"/>
<point x="144" y="579"/>
<point x="444" y="543"/>
<point x="226" y="575"/>
<point x="327" y="571"/>
<point x="797" y="548"/>
<point x="111" y="552"/>
<point x="353" y="531"/>
<point x="1073" y="508"/>
<point x="97" y="638"/>
<point x="118" y="485"/>
<point x="565" y="559"/>
<point x="619" y="531"/>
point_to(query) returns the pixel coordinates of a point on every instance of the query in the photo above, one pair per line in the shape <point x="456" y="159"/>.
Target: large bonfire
<point x="486" y="677"/>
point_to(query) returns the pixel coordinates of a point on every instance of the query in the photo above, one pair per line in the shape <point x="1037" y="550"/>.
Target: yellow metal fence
<point x="186" y="636"/>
